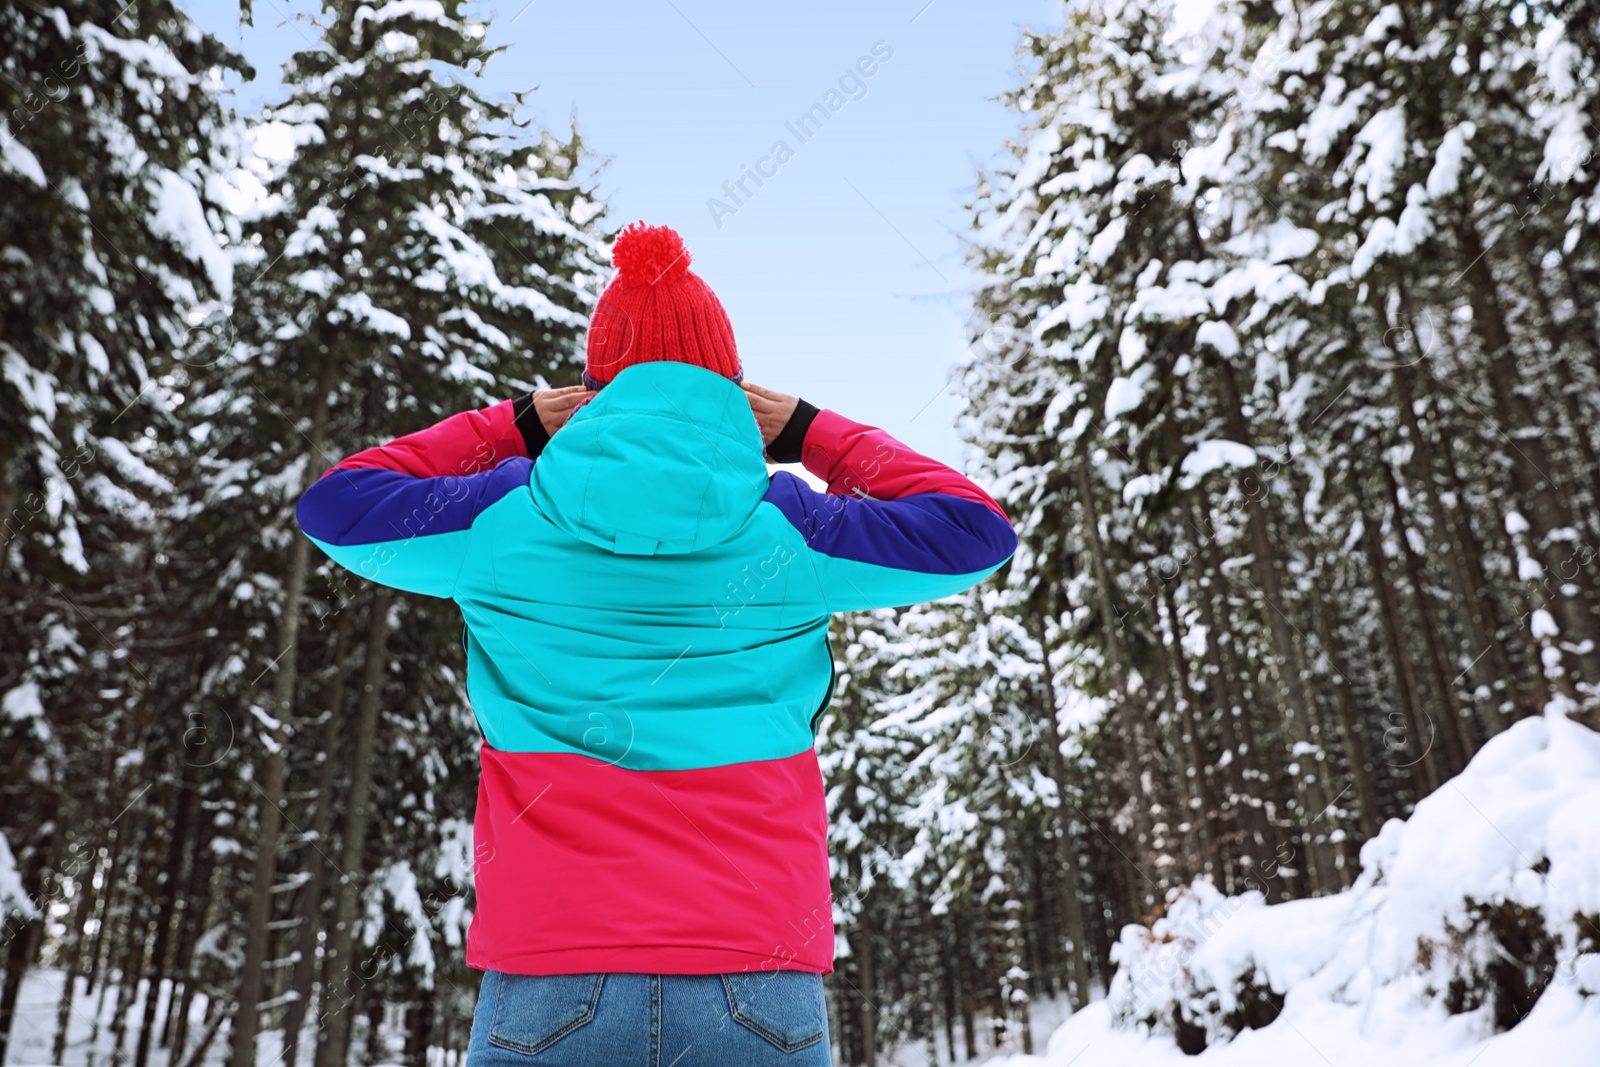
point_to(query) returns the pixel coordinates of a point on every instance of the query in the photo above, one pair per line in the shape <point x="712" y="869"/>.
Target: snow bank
<point x="1471" y="936"/>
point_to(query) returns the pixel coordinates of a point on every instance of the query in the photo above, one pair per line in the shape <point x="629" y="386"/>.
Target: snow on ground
<point x="1562" y="1031"/>
<point x="92" y="1031"/>
<point x="1409" y="967"/>
<point x="1492" y="884"/>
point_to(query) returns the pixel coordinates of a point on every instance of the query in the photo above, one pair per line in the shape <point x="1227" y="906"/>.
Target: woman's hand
<point x="772" y="410"/>
<point x="555" y="406"/>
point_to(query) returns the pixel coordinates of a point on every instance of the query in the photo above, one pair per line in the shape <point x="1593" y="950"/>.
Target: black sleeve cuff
<point x="785" y="448"/>
<point x="534" y="435"/>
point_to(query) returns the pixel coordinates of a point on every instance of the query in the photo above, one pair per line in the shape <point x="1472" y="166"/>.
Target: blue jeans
<point x="650" y="1020"/>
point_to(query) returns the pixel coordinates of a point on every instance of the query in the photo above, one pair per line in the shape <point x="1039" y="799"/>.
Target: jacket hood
<point x="666" y="459"/>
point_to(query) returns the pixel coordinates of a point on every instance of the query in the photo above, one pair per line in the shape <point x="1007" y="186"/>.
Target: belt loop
<point x="655" y="1020"/>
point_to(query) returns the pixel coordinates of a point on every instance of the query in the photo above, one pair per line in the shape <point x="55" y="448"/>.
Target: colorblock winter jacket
<point x="647" y="653"/>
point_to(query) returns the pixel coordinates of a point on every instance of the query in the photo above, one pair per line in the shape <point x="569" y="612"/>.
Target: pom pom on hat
<point x="645" y="255"/>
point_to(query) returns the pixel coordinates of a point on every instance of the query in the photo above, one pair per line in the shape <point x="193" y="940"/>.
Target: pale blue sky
<point x="843" y="273"/>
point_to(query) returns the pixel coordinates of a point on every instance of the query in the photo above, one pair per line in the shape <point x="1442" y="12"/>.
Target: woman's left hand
<point x="772" y="409"/>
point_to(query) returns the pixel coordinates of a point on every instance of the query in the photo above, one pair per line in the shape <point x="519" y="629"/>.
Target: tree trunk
<point x="275" y="770"/>
<point x="952" y="985"/>
<point x="420" y="1033"/>
<point x="198" y="901"/>
<point x="1290" y="674"/>
<point x="1486" y="659"/>
<point x="373" y="1053"/>
<point x="1198" y="772"/>
<point x="1454" y="730"/>
<point x="1422" y="764"/>
<point x="132" y="968"/>
<point x="168" y="893"/>
<point x="305" y="970"/>
<point x="1355" y="750"/>
<point x="963" y="954"/>
<point x="72" y="951"/>
<point x="1528" y="690"/>
<point x="108" y="897"/>
<point x="1017" y="1008"/>
<point x="1240" y="749"/>
<point x="351" y="866"/>
<point x="1137" y="763"/>
<point x="1535" y="476"/>
<point x="865" y="948"/>
<point x="1552" y="335"/>
<point x="1070" y="905"/>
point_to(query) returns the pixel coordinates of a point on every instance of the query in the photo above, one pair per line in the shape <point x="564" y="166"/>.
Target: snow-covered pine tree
<point x="112" y="139"/>
<point x="1090" y="247"/>
<point x="1237" y="382"/>
<point x="1355" y="164"/>
<point x="410" y="254"/>
<point x="864" y="768"/>
<point x="1234" y="279"/>
<point x="962" y="705"/>
<point x="112" y="133"/>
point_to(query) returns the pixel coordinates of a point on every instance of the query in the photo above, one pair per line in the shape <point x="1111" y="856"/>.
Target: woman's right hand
<point x="555" y="406"/>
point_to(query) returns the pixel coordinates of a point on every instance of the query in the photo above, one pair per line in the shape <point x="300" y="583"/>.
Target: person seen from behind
<point x="646" y="618"/>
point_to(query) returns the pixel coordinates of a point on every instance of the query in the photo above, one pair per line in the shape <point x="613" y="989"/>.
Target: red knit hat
<point x="657" y="309"/>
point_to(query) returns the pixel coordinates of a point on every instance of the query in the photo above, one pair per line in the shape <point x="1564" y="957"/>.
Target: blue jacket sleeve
<point x="895" y="527"/>
<point x="401" y="514"/>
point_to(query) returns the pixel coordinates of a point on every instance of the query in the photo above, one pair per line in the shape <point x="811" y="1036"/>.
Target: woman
<point x="646" y="630"/>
